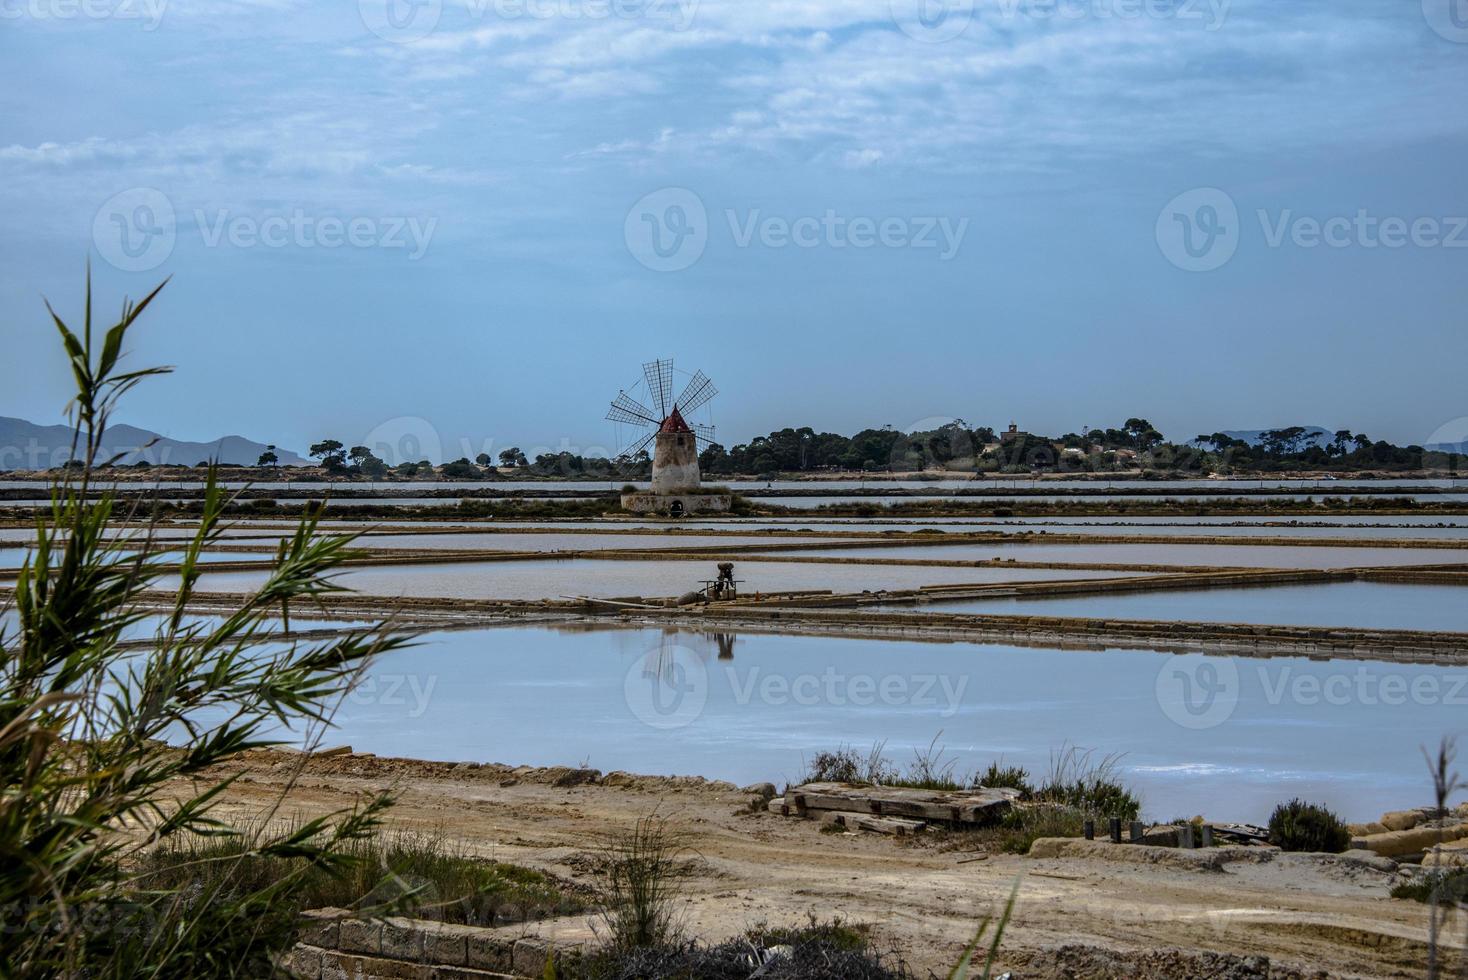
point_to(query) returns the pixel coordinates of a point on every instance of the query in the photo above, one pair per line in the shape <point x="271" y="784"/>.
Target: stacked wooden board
<point x="892" y="810"/>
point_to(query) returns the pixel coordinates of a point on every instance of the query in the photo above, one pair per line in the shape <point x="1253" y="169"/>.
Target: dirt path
<point x="923" y="895"/>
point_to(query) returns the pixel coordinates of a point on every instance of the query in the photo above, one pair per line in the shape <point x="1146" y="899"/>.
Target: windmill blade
<point x="659" y="375"/>
<point x="704" y="434"/>
<point x="697" y="393"/>
<point x="640" y="444"/>
<point x="625" y="408"/>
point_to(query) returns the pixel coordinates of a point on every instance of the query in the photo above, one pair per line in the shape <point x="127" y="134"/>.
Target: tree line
<point x="955" y="447"/>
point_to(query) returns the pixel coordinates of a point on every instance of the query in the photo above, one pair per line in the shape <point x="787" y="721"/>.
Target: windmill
<point x="676" y="442"/>
<point x="666" y="413"/>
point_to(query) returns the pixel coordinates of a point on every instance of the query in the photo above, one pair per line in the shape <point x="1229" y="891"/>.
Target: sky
<point x="460" y="225"/>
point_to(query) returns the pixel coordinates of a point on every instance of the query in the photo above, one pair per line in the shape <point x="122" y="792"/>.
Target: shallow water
<point x="549" y="579"/>
<point x="1366" y="605"/>
<point x="566" y="542"/>
<point x="654" y="702"/>
<point x="1241" y="555"/>
<point x="998" y="499"/>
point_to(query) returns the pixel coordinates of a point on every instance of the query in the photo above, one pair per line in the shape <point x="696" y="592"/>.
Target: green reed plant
<point x="90" y="781"/>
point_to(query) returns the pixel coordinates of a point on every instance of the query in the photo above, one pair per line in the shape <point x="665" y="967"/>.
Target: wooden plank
<point x="972" y="806"/>
<point x="876" y="825"/>
<point x="827" y="801"/>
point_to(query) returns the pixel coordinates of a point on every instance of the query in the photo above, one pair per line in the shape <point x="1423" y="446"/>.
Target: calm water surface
<point x="1367" y="605"/>
<point x="548" y="579"/>
<point x="755" y="707"/>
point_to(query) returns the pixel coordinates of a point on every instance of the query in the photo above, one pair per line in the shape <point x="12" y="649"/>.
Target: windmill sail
<point x="659" y="375"/>
<point x="704" y="434"/>
<point x="696" y="393"/>
<point x="640" y="444"/>
<point x="625" y="408"/>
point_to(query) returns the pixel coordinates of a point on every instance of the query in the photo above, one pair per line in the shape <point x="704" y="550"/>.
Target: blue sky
<point x="472" y="221"/>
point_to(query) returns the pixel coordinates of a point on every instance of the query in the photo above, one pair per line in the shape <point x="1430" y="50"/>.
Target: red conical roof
<point x="674" y="422"/>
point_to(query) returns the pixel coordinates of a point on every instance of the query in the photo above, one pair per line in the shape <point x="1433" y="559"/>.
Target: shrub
<point x="1445" y="887"/>
<point x="1079" y="780"/>
<point x="845" y="764"/>
<point x="1006" y="777"/>
<point x="818" y="951"/>
<point x="1022" y="826"/>
<point x="1301" y="826"/>
<point x="643" y="877"/>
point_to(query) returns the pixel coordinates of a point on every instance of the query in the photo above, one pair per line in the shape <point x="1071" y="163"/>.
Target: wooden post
<point x="1208" y="835"/>
<point x="1115" y="827"/>
<point x="1090" y="830"/>
<point x="1185" y="836"/>
<point x="1136" y="831"/>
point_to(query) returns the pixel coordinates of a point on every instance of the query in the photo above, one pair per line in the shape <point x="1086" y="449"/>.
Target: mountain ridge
<point x="25" y="445"/>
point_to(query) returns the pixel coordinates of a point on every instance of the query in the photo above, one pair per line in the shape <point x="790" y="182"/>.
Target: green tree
<point x="330" y="452"/>
<point x="268" y="457"/>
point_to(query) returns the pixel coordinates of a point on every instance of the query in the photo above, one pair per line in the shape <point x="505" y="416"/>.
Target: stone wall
<point x="334" y="947"/>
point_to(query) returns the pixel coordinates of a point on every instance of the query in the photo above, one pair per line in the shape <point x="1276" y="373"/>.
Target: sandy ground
<point x="923" y="895"/>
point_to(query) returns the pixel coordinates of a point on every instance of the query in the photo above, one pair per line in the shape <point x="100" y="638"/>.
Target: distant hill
<point x="1315" y="435"/>
<point x="28" y="446"/>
